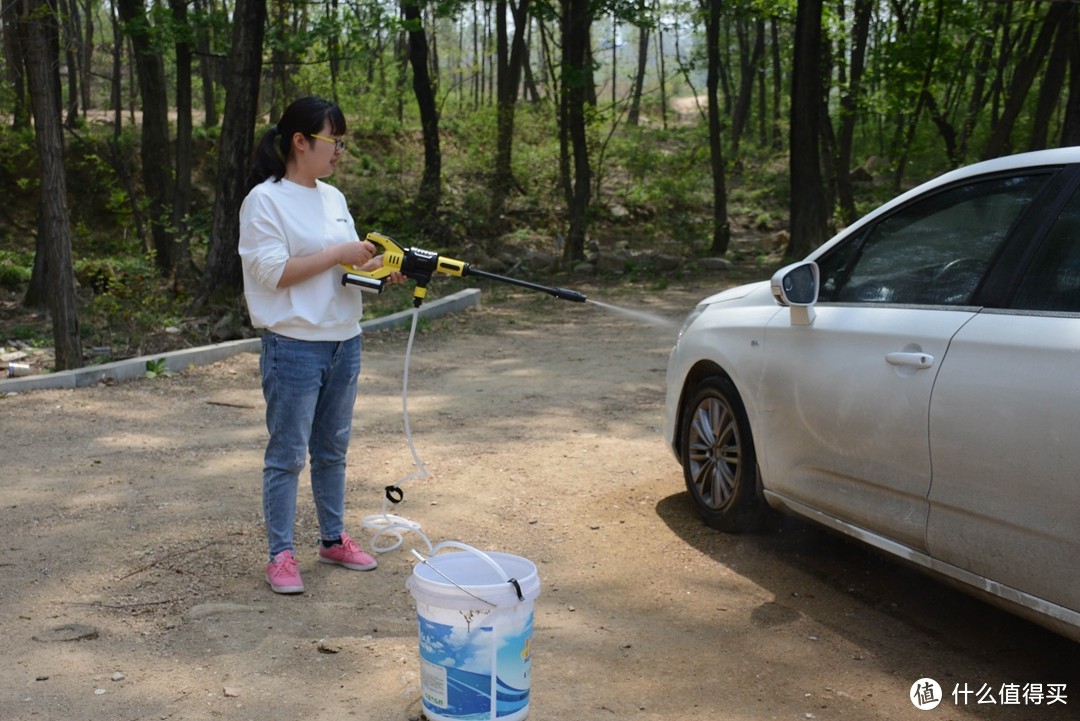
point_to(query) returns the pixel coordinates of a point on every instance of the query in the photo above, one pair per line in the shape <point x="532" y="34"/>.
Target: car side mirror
<point x="796" y="286"/>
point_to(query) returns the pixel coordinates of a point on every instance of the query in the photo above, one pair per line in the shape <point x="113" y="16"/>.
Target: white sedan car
<point x="913" y="383"/>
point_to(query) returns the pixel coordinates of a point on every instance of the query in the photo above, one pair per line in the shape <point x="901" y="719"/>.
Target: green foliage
<point x="18" y="162"/>
<point x="28" y="334"/>
<point x="129" y="304"/>
<point x="15" y="268"/>
<point x="157" y="369"/>
<point x="471" y="142"/>
<point x="666" y="173"/>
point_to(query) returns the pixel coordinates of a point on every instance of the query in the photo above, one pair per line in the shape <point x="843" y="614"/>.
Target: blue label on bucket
<point x="456" y="665"/>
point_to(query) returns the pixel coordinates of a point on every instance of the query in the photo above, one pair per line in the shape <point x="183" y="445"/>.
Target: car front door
<point x="845" y="429"/>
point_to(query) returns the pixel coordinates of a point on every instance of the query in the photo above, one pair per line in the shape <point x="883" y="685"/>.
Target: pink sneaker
<point x="283" y="575"/>
<point x="348" y="554"/>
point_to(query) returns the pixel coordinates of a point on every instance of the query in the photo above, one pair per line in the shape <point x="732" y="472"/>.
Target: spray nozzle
<point x="570" y="295"/>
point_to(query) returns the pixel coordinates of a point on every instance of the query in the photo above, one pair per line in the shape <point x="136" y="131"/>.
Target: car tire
<point x="718" y="457"/>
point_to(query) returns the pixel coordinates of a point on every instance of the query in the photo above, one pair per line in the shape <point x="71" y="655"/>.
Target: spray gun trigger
<point x="394" y="494"/>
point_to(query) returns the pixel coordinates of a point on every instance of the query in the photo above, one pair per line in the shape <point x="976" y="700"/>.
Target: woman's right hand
<point x="355" y="253"/>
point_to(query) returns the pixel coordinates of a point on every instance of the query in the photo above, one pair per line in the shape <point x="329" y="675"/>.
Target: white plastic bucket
<point x="475" y="612"/>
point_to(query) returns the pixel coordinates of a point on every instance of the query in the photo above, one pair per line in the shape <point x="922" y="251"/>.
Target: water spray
<point x="642" y="316"/>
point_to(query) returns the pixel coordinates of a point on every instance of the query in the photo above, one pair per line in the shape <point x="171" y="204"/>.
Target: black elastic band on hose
<point x="394" y="494"/>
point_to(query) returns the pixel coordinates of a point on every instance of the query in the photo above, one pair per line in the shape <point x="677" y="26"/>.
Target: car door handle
<point x="915" y="360"/>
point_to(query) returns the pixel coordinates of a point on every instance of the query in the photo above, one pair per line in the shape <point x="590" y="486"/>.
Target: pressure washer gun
<point x="420" y="265"/>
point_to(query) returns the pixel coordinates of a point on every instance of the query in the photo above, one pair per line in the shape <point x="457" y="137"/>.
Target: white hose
<point x="388" y="524"/>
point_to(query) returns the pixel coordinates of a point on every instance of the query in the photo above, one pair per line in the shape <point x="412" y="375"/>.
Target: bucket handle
<point x="476" y="552"/>
<point x="479" y="554"/>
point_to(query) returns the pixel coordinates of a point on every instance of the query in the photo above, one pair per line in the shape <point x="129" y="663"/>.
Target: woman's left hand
<point x="395" y="278"/>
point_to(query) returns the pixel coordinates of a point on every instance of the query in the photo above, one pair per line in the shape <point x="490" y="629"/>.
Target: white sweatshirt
<point x="281" y="220"/>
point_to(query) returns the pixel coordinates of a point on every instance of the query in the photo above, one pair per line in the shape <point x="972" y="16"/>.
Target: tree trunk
<point x="577" y="21"/>
<point x="529" y="89"/>
<point x="207" y="69"/>
<point x="945" y="128"/>
<point x="333" y="52"/>
<point x="430" y="192"/>
<point x="222" y="276"/>
<point x="184" y="145"/>
<point x="477" y="55"/>
<point x="279" y="90"/>
<point x="981" y="72"/>
<point x="750" y="59"/>
<point x="563" y="111"/>
<point x="661" y="74"/>
<point x="86" y="54"/>
<point x="435" y="79"/>
<point x="13" y="64"/>
<point x="1070" y="127"/>
<point x="54" y="224"/>
<point x="777" y="81"/>
<point x="551" y="76"/>
<point x="509" y="62"/>
<point x="639" y="78"/>
<point x="809" y="214"/>
<point x="920" y="99"/>
<point x="116" y="78"/>
<point x="505" y="97"/>
<point x="1022" y="79"/>
<point x="157" y="165"/>
<point x="1053" y="81"/>
<point x="849" y="106"/>
<point x="118" y="157"/>
<point x="721" y="227"/>
<point x="69" y="11"/>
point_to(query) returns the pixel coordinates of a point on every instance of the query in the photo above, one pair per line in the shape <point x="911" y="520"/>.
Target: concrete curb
<point x="131" y="368"/>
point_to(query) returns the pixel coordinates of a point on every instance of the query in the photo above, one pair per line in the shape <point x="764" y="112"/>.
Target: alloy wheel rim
<point x="714" y="452"/>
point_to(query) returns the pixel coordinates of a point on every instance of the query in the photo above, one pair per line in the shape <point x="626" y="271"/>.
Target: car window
<point x="933" y="251"/>
<point x="1052" y="281"/>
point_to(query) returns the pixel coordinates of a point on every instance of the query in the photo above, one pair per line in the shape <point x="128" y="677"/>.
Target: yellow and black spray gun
<point x="420" y="265"/>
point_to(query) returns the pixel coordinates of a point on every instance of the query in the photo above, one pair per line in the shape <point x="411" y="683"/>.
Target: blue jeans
<point x="310" y="390"/>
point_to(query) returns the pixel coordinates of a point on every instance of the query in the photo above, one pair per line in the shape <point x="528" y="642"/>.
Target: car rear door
<point x="847" y="398"/>
<point x="1005" y="497"/>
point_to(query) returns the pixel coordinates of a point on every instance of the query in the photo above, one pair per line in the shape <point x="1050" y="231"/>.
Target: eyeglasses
<point x="339" y="145"/>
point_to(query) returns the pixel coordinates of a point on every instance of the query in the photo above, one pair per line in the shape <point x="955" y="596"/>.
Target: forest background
<point x="526" y="136"/>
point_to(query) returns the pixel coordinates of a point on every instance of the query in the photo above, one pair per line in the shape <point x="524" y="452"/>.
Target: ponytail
<point x="306" y="116"/>
<point x="268" y="159"/>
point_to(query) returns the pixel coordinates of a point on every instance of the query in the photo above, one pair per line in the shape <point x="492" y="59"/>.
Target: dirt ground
<point x="133" y="550"/>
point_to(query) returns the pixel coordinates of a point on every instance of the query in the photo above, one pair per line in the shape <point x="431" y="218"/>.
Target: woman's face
<point x="313" y="156"/>
<point x="323" y="152"/>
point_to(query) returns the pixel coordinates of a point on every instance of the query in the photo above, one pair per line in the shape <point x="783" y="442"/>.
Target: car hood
<point x="755" y="292"/>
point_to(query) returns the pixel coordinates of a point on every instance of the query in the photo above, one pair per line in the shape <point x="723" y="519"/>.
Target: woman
<point x="295" y="233"/>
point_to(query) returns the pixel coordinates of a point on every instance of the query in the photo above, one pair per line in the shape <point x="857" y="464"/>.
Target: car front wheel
<point x="719" y="462"/>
